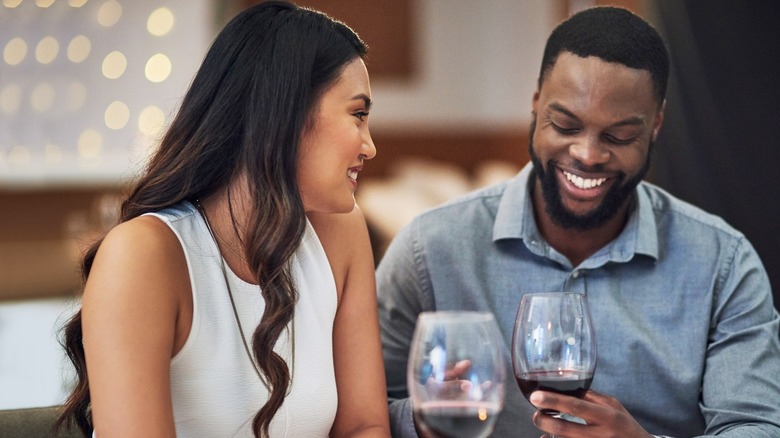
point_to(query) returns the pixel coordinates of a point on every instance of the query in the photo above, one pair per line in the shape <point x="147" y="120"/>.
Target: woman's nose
<point x="368" y="151"/>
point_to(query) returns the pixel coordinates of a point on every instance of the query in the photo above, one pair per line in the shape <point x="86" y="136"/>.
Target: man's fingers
<point x="580" y="408"/>
<point x="459" y="368"/>
<point x="601" y="399"/>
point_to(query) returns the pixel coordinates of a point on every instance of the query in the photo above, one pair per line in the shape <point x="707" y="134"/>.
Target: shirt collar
<point x="640" y="235"/>
<point x="509" y="224"/>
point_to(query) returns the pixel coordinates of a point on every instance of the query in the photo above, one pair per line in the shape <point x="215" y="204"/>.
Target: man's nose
<point x="589" y="151"/>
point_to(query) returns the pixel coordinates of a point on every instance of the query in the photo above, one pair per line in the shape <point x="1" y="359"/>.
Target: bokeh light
<point x="151" y="120"/>
<point x="79" y="48"/>
<point x="114" y="65"/>
<point x="160" y="22"/>
<point x="90" y="144"/>
<point x="15" y="51"/>
<point x="158" y="68"/>
<point x="42" y="97"/>
<point x="109" y="13"/>
<point x="117" y="115"/>
<point x="86" y="86"/>
<point x="10" y="99"/>
<point x="47" y="49"/>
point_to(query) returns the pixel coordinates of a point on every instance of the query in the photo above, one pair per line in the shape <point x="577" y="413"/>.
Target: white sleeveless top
<point x="216" y="392"/>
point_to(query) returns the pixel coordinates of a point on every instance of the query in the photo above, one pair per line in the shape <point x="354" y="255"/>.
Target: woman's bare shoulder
<point x="146" y="233"/>
<point x="143" y="252"/>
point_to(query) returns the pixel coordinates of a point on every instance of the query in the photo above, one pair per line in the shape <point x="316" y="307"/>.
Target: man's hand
<point x="605" y="416"/>
<point x="457" y="369"/>
<point x="451" y="387"/>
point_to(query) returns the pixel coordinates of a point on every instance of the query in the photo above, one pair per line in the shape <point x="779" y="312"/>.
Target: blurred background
<point x="88" y="86"/>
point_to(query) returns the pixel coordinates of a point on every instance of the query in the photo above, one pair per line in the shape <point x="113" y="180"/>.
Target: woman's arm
<point x="360" y="378"/>
<point x="132" y="326"/>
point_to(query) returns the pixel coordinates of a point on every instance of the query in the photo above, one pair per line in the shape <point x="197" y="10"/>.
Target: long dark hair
<point x="244" y="113"/>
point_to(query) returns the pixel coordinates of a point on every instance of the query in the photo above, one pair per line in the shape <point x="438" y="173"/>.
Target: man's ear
<point x="659" y="120"/>
<point x="535" y="102"/>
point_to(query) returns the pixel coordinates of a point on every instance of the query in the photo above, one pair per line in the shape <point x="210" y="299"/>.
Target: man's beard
<point x="620" y="193"/>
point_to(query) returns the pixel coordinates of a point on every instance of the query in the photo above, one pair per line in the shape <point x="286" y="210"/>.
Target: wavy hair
<point x="244" y="113"/>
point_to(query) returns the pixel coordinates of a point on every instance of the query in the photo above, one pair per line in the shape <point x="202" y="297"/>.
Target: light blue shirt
<point x="687" y="334"/>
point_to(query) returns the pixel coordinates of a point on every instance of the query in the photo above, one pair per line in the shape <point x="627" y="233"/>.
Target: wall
<point x="462" y="95"/>
<point x="80" y="109"/>
<point x="452" y="81"/>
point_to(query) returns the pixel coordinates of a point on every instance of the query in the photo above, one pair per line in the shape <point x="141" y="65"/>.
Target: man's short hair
<point x="614" y="35"/>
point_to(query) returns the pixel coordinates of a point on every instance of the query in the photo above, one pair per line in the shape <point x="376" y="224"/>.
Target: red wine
<point x="568" y="382"/>
<point x="457" y="419"/>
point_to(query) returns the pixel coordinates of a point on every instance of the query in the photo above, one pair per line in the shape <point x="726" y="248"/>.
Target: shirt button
<point x="576" y="274"/>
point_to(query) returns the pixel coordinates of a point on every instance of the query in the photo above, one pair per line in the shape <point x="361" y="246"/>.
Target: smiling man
<point x="681" y="304"/>
<point x="594" y="126"/>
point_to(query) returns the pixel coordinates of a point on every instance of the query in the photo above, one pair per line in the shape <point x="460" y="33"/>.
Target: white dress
<point x="216" y="392"/>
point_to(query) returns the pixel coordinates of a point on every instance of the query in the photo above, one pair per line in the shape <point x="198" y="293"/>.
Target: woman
<point x="236" y="296"/>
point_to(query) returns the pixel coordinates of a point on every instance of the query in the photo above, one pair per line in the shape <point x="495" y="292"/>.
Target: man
<point x="682" y="307"/>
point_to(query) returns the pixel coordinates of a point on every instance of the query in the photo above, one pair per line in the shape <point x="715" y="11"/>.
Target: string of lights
<point x="87" y="86"/>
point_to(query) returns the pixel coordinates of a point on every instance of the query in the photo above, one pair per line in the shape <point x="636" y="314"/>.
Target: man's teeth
<point x="584" y="183"/>
<point x="352" y="174"/>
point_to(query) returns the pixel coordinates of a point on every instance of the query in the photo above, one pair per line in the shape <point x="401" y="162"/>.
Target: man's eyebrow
<point x="562" y="109"/>
<point x="631" y="121"/>
<point x="365" y="99"/>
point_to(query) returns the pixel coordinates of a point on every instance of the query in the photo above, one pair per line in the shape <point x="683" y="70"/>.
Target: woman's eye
<point x="361" y="115"/>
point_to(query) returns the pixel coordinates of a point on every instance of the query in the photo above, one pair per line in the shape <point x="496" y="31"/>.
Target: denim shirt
<point x="687" y="334"/>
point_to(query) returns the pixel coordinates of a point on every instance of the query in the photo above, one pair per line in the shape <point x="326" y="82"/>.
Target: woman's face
<point x="334" y="147"/>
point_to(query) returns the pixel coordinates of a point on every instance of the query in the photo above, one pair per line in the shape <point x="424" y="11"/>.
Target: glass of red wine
<point x="456" y="373"/>
<point x="554" y="345"/>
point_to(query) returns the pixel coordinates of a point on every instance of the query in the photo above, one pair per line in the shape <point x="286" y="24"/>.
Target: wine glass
<point x="554" y="346"/>
<point x="456" y="373"/>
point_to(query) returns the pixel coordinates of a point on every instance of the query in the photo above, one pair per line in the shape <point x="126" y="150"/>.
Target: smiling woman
<point x="240" y="276"/>
<point x="328" y="180"/>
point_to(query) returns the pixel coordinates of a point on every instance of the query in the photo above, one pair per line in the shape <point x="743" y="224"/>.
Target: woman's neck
<point x="226" y="213"/>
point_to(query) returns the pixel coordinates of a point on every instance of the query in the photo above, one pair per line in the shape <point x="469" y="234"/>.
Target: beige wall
<point x="449" y="85"/>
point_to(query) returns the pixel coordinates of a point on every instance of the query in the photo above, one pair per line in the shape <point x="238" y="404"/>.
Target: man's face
<point x="593" y="129"/>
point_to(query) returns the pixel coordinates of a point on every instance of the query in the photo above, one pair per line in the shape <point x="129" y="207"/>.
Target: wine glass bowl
<point x="456" y="373"/>
<point x="553" y="345"/>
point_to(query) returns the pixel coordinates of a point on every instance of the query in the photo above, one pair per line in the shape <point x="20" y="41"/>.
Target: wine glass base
<point x="570" y="418"/>
<point x="566" y="417"/>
